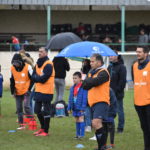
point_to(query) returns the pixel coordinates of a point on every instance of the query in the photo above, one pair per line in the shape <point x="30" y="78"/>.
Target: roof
<point x="77" y="2"/>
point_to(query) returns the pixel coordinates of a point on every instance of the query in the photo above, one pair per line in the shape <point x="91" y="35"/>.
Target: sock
<point x="41" y="119"/>
<point x="77" y="128"/>
<point x="46" y="124"/>
<point x="82" y="129"/>
<point x="105" y="133"/>
<point x="112" y="133"/>
<point x="101" y="137"/>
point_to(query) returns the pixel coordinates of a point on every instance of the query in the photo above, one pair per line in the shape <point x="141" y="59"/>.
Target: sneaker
<point x="38" y="132"/>
<point x="93" y="138"/>
<point x="112" y="145"/>
<point x="88" y="129"/>
<point x="42" y="134"/>
<point x="80" y="137"/>
<point x="76" y="137"/>
<point x="120" y="130"/>
<point x="21" y="128"/>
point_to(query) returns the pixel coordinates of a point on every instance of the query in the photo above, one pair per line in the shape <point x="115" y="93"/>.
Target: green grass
<point x="62" y="131"/>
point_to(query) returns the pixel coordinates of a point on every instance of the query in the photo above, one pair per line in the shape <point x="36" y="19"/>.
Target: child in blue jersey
<point x="1" y="87"/>
<point x="77" y="104"/>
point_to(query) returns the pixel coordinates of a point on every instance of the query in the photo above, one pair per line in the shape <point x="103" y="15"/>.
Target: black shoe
<point x="120" y="130"/>
<point x="76" y="137"/>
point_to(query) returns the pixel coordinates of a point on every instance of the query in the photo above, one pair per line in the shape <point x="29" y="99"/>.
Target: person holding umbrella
<point x="98" y="84"/>
<point x="43" y="76"/>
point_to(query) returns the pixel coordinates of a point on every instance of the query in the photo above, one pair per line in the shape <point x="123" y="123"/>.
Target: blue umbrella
<point x="86" y="49"/>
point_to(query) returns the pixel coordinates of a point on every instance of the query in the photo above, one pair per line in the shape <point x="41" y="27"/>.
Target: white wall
<point x="5" y="61"/>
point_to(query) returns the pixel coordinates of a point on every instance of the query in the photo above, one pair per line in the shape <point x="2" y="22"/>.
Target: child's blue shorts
<point x="77" y="113"/>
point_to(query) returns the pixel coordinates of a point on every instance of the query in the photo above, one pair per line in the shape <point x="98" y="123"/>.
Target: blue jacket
<point x="1" y="85"/>
<point x="81" y="102"/>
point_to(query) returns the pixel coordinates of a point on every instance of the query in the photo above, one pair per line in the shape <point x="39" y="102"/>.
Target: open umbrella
<point x="61" y="40"/>
<point x="86" y="49"/>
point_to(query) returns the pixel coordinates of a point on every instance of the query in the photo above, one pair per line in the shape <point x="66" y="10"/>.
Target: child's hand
<point x="69" y="111"/>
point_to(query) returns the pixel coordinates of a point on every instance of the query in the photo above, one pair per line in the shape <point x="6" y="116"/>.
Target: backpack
<point x="59" y="109"/>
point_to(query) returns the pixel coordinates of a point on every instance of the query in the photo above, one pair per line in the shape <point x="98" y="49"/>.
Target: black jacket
<point x="90" y="82"/>
<point x="47" y="72"/>
<point x="118" y="75"/>
<point x="61" y="65"/>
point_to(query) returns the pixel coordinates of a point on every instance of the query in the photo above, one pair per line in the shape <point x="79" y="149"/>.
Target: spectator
<point x="143" y="37"/>
<point x="107" y="40"/>
<point x="26" y="57"/>
<point x="118" y="74"/>
<point x="80" y="29"/>
<point x="1" y="83"/>
<point x="15" y="42"/>
<point x="85" y="69"/>
<point x="98" y="98"/>
<point x="1" y="88"/>
<point x="141" y="79"/>
<point x="43" y="76"/>
<point x="20" y="84"/>
<point x="61" y="65"/>
<point x="77" y="104"/>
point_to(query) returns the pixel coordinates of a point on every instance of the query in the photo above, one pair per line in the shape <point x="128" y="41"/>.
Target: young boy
<point x="1" y="87"/>
<point x="77" y="103"/>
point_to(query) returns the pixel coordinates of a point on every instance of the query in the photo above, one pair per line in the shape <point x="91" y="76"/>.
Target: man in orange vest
<point x="20" y="85"/>
<point x="98" y="84"/>
<point x="43" y="76"/>
<point x="141" y="78"/>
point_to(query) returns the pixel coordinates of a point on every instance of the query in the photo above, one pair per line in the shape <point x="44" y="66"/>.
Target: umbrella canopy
<point x="61" y="40"/>
<point x="86" y="49"/>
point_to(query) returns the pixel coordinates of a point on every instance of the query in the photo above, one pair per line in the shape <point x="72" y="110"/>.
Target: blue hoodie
<point x="81" y="101"/>
<point x="1" y="85"/>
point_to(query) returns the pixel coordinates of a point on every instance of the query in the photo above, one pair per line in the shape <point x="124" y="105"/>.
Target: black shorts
<point x="100" y="110"/>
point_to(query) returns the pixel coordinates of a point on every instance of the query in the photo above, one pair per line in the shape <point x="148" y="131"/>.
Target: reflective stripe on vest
<point x="99" y="93"/>
<point x="22" y="80"/>
<point x="141" y="85"/>
<point x="48" y="86"/>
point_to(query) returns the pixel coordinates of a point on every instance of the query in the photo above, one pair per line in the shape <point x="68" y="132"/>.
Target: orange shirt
<point x="22" y="80"/>
<point x="48" y="86"/>
<point x="141" y="85"/>
<point x="99" y="93"/>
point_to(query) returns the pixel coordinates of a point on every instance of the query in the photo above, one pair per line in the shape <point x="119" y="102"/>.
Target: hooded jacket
<point x="118" y="75"/>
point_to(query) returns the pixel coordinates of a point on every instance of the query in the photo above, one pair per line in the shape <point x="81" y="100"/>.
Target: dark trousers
<point x="120" y="112"/>
<point x="42" y="109"/>
<point x="144" y="117"/>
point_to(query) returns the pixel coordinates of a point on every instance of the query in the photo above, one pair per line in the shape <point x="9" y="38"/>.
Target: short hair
<point x="77" y="74"/>
<point x="145" y="48"/>
<point x="44" y="48"/>
<point x="98" y="57"/>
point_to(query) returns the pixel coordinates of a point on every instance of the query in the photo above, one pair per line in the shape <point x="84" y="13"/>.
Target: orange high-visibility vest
<point x="99" y="93"/>
<point x="141" y="85"/>
<point x="22" y="80"/>
<point x="48" y="86"/>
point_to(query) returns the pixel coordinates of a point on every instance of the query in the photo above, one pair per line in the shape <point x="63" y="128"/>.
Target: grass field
<point x="62" y="131"/>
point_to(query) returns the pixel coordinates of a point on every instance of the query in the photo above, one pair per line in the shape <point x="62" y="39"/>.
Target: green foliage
<point x="62" y="131"/>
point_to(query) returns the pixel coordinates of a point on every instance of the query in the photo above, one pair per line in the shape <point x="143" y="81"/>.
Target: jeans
<point x="88" y="116"/>
<point x="32" y="102"/>
<point x="23" y="101"/>
<point x="120" y="112"/>
<point x="60" y="88"/>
